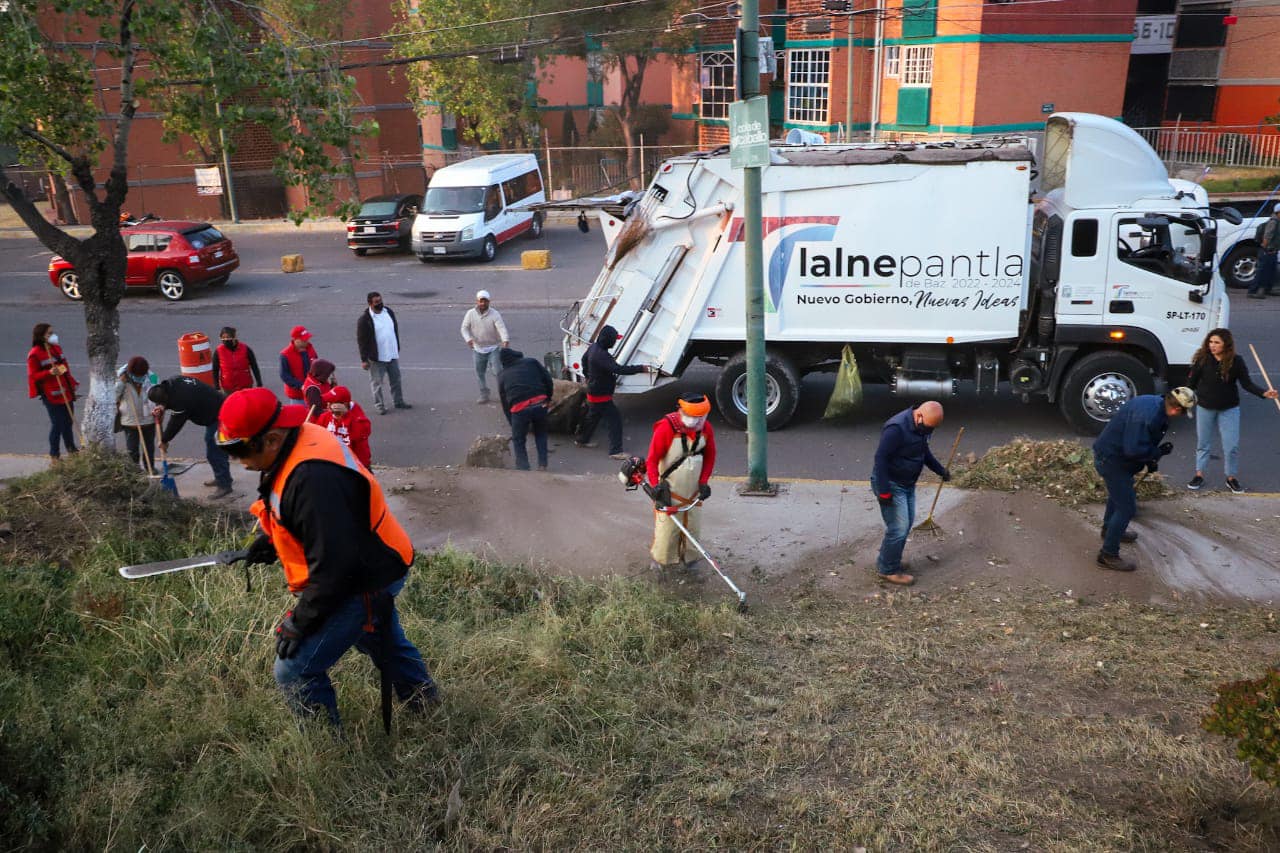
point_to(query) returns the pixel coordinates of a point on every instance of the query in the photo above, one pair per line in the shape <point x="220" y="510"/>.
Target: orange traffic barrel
<point x="195" y="356"/>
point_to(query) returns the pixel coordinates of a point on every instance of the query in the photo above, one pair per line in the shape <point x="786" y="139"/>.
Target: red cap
<point x="249" y="413"/>
<point x="299" y="333"/>
<point x="339" y="394"/>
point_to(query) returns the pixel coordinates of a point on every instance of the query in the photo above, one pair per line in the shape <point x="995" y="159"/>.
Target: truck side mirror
<point x="1231" y="215"/>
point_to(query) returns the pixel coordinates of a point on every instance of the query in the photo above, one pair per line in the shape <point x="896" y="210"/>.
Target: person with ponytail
<point x="1215" y="373"/>
<point x="50" y="379"/>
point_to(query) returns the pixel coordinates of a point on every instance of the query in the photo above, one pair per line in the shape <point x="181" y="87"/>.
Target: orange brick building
<point x="938" y="67"/>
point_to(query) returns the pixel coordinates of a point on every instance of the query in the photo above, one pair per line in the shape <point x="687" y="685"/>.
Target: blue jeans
<point x="218" y="459"/>
<point x="60" y="427"/>
<point x="535" y="418"/>
<point x="612" y="418"/>
<point x="898" y="517"/>
<point x="1122" y="502"/>
<point x="304" y="678"/>
<point x="1265" y="278"/>
<point x="486" y="362"/>
<point x="1227" y="424"/>
<point x="390" y="370"/>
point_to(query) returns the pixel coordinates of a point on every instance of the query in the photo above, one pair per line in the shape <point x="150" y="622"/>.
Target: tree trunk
<point x="62" y="206"/>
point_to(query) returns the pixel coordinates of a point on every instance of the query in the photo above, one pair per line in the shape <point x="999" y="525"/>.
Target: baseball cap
<point x="299" y="333"/>
<point x="694" y="405"/>
<point x="1186" y="399"/>
<point x="247" y="414"/>
<point x="482" y="294"/>
<point x="339" y="394"/>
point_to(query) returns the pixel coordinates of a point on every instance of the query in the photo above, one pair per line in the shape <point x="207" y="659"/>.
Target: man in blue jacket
<point x="901" y="456"/>
<point x="1130" y="442"/>
<point x="602" y="372"/>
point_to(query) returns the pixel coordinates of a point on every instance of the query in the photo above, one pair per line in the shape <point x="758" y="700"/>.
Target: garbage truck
<point x="1083" y="276"/>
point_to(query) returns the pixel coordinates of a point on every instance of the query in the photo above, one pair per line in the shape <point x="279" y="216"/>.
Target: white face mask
<point x="693" y="423"/>
<point x="53" y="339"/>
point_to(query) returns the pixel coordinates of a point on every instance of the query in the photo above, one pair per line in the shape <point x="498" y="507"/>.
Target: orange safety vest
<point x="314" y="443"/>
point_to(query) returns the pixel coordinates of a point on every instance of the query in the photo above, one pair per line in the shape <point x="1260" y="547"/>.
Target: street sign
<point x="749" y="133"/>
<point x="209" y="181"/>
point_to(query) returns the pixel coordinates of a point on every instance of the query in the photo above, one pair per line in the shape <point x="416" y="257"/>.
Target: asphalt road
<point x="263" y="303"/>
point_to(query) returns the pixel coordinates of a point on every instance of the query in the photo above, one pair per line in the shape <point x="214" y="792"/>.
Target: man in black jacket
<point x="902" y="454"/>
<point x="188" y="399"/>
<point x="345" y="556"/>
<point x="378" y="338"/>
<point x="524" y="389"/>
<point x="602" y="374"/>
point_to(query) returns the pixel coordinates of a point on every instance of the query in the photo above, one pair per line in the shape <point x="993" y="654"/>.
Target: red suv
<point x="168" y="256"/>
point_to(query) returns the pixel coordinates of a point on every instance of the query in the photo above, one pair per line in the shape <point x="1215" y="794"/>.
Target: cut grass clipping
<point x="1061" y="470"/>
<point x="588" y="717"/>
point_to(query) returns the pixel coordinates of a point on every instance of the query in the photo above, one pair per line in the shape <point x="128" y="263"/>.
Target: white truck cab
<point x="935" y="262"/>
<point x="474" y="206"/>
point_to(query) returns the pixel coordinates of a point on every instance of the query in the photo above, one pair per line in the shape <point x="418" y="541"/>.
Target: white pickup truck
<point x="935" y="262"/>
<point x="1238" y="245"/>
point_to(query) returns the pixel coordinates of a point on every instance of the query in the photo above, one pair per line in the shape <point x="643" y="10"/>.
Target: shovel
<point x="929" y="524"/>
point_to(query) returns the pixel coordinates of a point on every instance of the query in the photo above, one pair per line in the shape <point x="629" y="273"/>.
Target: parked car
<point x="167" y="255"/>
<point x="383" y="222"/>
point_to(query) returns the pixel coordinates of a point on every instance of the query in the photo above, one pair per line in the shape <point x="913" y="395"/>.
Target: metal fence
<point x="1215" y="146"/>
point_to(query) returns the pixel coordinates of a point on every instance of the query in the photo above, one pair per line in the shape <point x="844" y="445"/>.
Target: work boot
<point x="1115" y="562"/>
<point x="899" y="578"/>
<point x="220" y="492"/>
<point x="1126" y="538"/>
<point x="484" y="398"/>
<point x="404" y="405"/>
<point x="423" y="701"/>
<point x="209" y="484"/>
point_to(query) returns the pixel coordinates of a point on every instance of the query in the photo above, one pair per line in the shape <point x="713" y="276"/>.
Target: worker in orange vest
<point x="345" y="556"/>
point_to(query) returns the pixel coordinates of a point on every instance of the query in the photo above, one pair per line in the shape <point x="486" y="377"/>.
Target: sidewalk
<point x="819" y="537"/>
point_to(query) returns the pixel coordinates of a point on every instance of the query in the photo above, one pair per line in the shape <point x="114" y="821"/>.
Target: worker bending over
<point x="682" y="455"/>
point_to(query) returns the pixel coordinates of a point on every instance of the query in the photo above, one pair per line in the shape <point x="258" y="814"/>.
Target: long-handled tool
<point x="66" y="397"/>
<point x="742" y="596"/>
<point x="166" y="479"/>
<point x="1263" y="371"/>
<point x="142" y="439"/>
<point x="929" y="524"/>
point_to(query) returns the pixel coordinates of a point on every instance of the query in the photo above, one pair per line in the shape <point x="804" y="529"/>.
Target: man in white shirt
<point x="485" y="333"/>
<point x="378" y="337"/>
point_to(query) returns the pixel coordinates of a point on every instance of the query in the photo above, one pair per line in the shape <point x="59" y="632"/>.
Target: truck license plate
<point x="439" y="250"/>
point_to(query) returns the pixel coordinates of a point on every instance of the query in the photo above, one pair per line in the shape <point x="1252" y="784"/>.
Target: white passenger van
<point x="474" y="206"/>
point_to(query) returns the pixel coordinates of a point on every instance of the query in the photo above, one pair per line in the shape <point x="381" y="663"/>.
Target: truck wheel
<point x="1098" y="385"/>
<point x="781" y="386"/>
<point x="1240" y="267"/>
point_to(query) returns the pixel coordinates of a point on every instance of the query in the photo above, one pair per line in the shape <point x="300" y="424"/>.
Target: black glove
<point x="1166" y="448"/>
<point x="946" y="475"/>
<point x="288" y="637"/>
<point x="1153" y="466"/>
<point x="662" y="494"/>
<point x="885" y="499"/>
<point x="704" y="491"/>
<point x="261" y="552"/>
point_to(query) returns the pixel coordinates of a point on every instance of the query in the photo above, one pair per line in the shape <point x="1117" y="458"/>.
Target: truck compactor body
<point x="1084" y="278"/>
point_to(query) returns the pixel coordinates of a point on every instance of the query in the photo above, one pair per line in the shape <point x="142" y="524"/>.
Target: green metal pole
<point x="753" y="263"/>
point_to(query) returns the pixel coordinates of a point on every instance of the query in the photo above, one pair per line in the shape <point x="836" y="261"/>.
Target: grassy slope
<point x="612" y="716"/>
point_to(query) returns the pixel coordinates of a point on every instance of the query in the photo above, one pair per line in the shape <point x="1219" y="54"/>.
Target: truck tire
<point x="1240" y="267"/>
<point x="1098" y="385"/>
<point x="782" y="390"/>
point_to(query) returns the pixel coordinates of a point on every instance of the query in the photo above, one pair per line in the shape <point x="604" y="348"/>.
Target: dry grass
<point x="1061" y="470"/>
<point x="609" y="716"/>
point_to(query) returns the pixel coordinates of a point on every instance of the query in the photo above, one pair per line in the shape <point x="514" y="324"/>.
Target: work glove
<point x="1153" y="466"/>
<point x="885" y="499"/>
<point x="704" y="491"/>
<point x="261" y="552"/>
<point x="288" y="637"/>
<point x="1166" y="448"/>
<point x="662" y="494"/>
<point x="946" y="475"/>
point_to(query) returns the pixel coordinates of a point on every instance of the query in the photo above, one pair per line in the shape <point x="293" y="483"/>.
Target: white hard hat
<point x="482" y="294"/>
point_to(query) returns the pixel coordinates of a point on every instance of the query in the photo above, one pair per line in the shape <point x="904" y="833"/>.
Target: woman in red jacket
<point x="49" y="378"/>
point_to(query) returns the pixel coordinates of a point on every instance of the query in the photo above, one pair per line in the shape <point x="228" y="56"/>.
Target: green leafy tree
<point x="73" y="75"/>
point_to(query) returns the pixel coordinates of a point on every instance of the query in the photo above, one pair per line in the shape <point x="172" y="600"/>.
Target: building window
<point x="917" y="65"/>
<point x="1202" y="26"/>
<point x="892" y="55"/>
<point x="717" y="84"/>
<point x="1190" y="103"/>
<point x="808" y="83"/>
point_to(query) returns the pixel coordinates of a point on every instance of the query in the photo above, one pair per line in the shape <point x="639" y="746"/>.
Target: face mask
<point x="231" y="344"/>
<point x="377" y="308"/>
<point x="927" y="430"/>
<point x="53" y="339"/>
<point x="693" y="423"/>
<point x="138" y="378"/>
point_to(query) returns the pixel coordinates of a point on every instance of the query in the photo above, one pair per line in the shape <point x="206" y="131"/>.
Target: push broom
<point x="929" y="524"/>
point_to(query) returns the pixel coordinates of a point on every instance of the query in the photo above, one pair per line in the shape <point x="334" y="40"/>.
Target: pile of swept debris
<point x="1061" y="470"/>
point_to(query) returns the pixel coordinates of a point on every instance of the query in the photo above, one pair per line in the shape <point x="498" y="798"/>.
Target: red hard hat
<point x="249" y="413"/>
